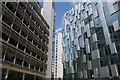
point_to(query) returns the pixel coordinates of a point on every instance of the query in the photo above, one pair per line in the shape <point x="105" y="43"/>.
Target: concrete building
<point x="48" y="13"/>
<point x="58" y="66"/>
<point x="25" y="41"/>
<point x="91" y="40"/>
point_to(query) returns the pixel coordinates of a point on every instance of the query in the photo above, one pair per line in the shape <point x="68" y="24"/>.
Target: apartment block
<point x="58" y="66"/>
<point x="25" y="41"/>
<point x="91" y="40"/>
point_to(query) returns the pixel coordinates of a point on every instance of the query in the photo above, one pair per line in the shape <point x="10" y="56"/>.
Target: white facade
<point x="58" y="66"/>
<point x="49" y="14"/>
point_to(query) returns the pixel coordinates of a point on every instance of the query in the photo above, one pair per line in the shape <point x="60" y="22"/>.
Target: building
<point x="25" y="41"/>
<point x="58" y="66"/>
<point x="91" y="40"/>
<point x="48" y="13"/>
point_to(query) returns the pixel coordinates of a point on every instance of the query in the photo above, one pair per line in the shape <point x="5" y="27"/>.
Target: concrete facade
<point x="48" y="13"/>
<point x="25" y="41"/>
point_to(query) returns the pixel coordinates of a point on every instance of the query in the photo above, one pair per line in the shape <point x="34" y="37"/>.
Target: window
<point x="32" y="66"/>
<point x="104" y="61"/>
<point x="35" y="43"/>
<point x="116" y="6"/>
<point x="31" y="28"/>
<point x="29" y="38"/>
<point x="96" y="21"/>
<point x="4" y="37"/>
<point x="114" y="59"/>
<point x="9" y="5"/>
<point x="18" y="61"/>
<point x="26" y="64"/>
<point x="111" y="29"/>
<point x="22" y="6"/>
<point x="9" y="57"/>
<point x="41" y="69"/>
<point x="6" y="20"/>
<point x="38" y="57"/>
<point x="16" y="28"/>
<point x="20" y="46"/>
<point x="26" y="23"/>
<point x="28" y="51"/>
<point x="13" y="42"/>
<point x="37" y="68"/>
<point x="33" y="54"/>
<point x="19" y="16"/>
<point x="23" y="34"/>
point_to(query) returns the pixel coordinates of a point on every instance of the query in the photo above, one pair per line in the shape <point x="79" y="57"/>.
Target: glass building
<point x="25" y="39"/>
<point x="91" y="40"/>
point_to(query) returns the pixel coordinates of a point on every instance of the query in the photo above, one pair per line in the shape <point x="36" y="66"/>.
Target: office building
<point x="58" y="66"/>
<point x="48" y="12"/>
<point x="91" y="40"/>
<point x="25" y="41"/>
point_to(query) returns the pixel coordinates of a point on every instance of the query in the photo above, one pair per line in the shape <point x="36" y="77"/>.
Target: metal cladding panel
<point x="116" y="25"/>
<point x="114" y="70"/>
<point x="113" y="48"/>
<point x="105" y="71"/>
<point x="95" y="54"/>
<point x="95" y="73"/>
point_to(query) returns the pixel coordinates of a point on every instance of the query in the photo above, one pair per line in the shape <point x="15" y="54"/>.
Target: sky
<point x="61" y="8"/>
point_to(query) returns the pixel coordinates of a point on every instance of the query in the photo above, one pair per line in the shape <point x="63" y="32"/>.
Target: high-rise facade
<point x="48" y="13"/>
<point x="25" y="41"/>
<point x="58" y="66"/>
<point x="91" y="40"/>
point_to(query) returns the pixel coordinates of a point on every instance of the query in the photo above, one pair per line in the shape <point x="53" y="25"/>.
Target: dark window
<point x="31" y="28"/>
<point x="26" y="64"/>
<point x="87" y="20"/>
<point x="18" y="61"/>
<point x="28" y="12"/>
<point x="41" y="69"/>
<point x="9" y="5"/>
<point x="33" y="54"/>
<point x="6" y="20"/>
<point x="9" y="58"/>
<point x="21" y="47"/>
<point x="28" y="51"/>
<point x="26" y="23"/>
<point x="2" y="55"/>
<point x="42" y="59"/>
<point x="37" y="68"/>
<point x="22" y="6"/>
<point x="16" y="28"/>
<point x="4" y="36"/>
<point x="32" y="66"/>
<point x="23" y="34"/>
<point x="36" y="33"/>
<point x="19" y="16"/>
<point x="104" y="61"/>
<point x="13" y="42"/>
<point x="29" y="38"/>
<point x="35" y="43"/>
<point x="38" y="57"/>
<point x="114" y="59"/>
